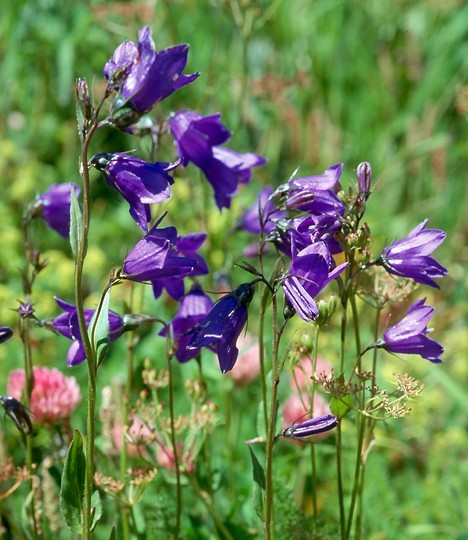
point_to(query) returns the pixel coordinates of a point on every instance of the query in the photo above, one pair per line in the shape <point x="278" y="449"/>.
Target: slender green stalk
<point x="208" y="502"/>
<point x="89" y="351"/>
<point x="313" y="460"/>
<point x="29" y="386"/>
<point x="173" y="439"/>
<point x="277" y="368"/>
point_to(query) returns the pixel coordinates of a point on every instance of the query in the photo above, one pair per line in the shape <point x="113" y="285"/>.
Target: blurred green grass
<point x="307" y="84"/>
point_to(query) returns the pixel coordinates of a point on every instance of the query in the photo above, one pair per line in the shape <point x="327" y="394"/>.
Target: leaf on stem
<point x="72" y="486"/>
<point x="98" y="329"/>
<point x="76" y="223"/>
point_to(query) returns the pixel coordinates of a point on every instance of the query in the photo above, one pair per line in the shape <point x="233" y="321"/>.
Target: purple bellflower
<point x="144" y="76"/>
<point x="67" y="325"/>
<point x="310" y="427"/>
<point x="222" y="326"/>
<point x="5" y="333"/>
<point x="262" y="215"/>
<point x="139" y="182"/>
<point x="315" y="194"/>
<point x="54" y="207"/>
<point x="164" y="259"/>
<point x="409" y="335"/>
<point x="197" y="139"/>
<point x="192" y="310"/>
<point x="309" y="273"/>
<point x="410" y="256"/>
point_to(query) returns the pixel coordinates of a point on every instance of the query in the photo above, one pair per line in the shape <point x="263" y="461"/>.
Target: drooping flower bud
<point x="310" y="427"/>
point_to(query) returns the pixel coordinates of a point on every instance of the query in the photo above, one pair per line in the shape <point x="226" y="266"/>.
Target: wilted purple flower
<point x="139" y="182"/>
<point x="67" y="325"/>
<point x="222" y="326"/>
<point x="164" y="259"/>
<point x="309" y="273"/>
<point x="26" y="310"/>
<point x="144" y="76"/>
<point x="192" y="310"/>
<point x="198" y="138"/>
<point x="5" y="333"/>
<point x="314" y="194"/>
<point x="54" y="207"/>
<point x="409" y="335"/>
<point x="310" y="427"/>
<point x="262" y="215"/>
<point x="410" y="256"/>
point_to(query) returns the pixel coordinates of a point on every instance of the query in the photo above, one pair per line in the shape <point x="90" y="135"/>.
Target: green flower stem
<point x="277" y="368"/>
<point x="89" y="351"/>
<point x="29" y="386"/>
<point x="208" y="502"/>
<point x="313" y="461"/>
<point x="169" y="357"/>
<point x="262" y="363"/>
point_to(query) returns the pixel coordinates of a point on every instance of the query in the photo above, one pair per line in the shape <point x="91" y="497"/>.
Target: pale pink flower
<point x="247" y="367"/>
<point x="54" y="396"/>
<point x="302" y="374"/>
<point x="165" y="458"/>
<point x="297" y="408"/>
<point x="138" y="435"/>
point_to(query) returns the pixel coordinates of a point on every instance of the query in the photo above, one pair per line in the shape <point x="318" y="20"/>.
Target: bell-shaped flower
<point x="409" y="335"/>
<point x="310" y="271"/>
<point x="263" y="214"/>
<point x="315" y="194"/>
<point x="159" y="258"/>
<point x="67" y="324"/>
<point x="139" y="182"/>
<point x="54" y="207"/>
<point x="410" y="257"/>
<point x="222" y="326"/>
<point x="197" y="139"/>
<point x="144" y="76"/>
<point x="193" y="308"/>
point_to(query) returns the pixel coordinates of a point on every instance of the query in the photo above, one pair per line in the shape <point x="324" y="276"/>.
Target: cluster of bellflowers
<point x="309" y="221"/>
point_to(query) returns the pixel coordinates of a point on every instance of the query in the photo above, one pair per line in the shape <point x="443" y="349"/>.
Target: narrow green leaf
<point x="98" y="329"/>
<point x="72" y="487"/>
<point x="76" y="223"/>
<point x="258" y="485"/>
<point x="96" y="506"/>
<point x="26" y="515"/>
<point x="257" y="469"/>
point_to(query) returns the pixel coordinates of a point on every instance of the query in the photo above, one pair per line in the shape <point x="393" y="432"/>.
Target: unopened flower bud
<point x="82" y="94"/>
<point x="326" y="310"/>
<point x="364" y="177"/>
<point x="310" y="427"/>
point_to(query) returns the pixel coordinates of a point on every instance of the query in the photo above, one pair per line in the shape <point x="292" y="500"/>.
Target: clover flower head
<point x="54" y="396"/>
